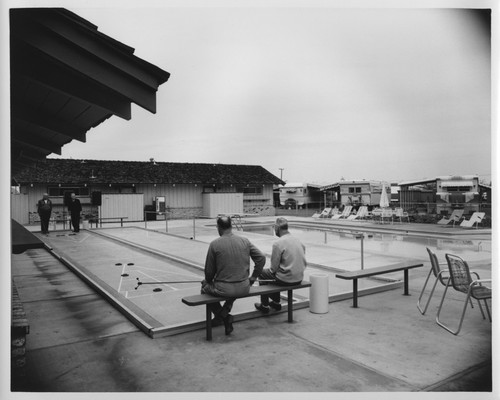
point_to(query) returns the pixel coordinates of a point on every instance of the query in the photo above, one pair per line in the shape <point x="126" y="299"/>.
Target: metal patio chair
<point x="439" y="275"/>
<point x="461" y="280"/>
<point x="400" y="213"/>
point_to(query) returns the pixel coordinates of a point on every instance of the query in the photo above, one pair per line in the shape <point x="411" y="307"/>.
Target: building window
<point x="58" y="191"/>
<point x="126" y="189"/>
<point x="459" y="189"/>
<point x="209" y="189"/>
<point x="249" y="189"/>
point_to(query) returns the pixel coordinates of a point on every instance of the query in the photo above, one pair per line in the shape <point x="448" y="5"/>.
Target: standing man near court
<point x="227" y="270"/>
<point x="288" y="262"/>
<point x="75" y="208"/>
<point x="44" y="209"/>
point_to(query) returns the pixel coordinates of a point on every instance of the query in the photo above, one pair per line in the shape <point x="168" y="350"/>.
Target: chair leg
<point x="487" y="309"/>
<point x="422" y="293"/>
<point x="481" y="308"/>
<point x="461" y="318"/>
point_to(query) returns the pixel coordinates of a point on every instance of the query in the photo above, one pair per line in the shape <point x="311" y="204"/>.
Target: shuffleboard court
<point x="119" y="268"/>
<point x="136" y="270"/>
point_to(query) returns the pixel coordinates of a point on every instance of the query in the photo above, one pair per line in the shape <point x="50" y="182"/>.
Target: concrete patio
<point x="79" y="342"/>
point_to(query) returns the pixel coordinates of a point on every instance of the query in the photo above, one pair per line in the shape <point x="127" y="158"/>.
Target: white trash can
<point x="85" y="224"/>
<point x="318" y="294"/>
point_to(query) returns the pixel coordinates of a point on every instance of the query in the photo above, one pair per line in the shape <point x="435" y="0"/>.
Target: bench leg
<point x="407" y="293"/>
<point x="355" y="293"/>
<point x="209" y="322"/>
<point x="290" y="305"/>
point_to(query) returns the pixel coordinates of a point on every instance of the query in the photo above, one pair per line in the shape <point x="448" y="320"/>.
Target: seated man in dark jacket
<point x="227" y="269"/>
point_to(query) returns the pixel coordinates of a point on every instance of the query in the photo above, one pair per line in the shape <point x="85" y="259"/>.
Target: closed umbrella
<point x="384" y="199"/>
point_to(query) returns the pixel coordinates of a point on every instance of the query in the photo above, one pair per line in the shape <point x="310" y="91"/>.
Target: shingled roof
<point x="69" y="171"/>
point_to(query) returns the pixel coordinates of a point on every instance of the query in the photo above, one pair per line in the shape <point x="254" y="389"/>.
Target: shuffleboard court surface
<point x="113" y="261"/>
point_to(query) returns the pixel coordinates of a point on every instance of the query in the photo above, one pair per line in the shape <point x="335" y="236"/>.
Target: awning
<point x="457" y="184"/>
<point x="66" y="78"/>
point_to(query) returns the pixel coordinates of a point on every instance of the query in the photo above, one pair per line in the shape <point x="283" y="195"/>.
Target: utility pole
<point x="281" y="173"/>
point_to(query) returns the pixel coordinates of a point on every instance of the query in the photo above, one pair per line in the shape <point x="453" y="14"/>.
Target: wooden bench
<point x="206" y="299"/>
<point x="99" y="220"/>
<point x="365" y="273"/>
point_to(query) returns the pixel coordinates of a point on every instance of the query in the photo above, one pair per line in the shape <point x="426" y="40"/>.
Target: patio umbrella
<point x="384" y="200"/>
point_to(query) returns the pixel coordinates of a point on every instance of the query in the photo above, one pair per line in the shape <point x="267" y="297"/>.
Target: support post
<point x="355" y="293"/>
<point x="209" y="322"/>
<point x="407" y="293"/>
<point x="362" y="251"/>
<point x="290" y="305"/>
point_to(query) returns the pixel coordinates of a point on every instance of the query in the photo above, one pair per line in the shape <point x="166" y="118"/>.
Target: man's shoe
<point x="260" y="307"/>
<point x="275" y="306"/>
<point x="228" y="324"/>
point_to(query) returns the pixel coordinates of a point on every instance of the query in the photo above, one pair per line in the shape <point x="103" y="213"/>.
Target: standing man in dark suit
<point x="75" y="208"/>
<point x="44" y="209"/>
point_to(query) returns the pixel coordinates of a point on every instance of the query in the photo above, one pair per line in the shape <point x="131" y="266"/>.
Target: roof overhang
<point x="66" y="78"/>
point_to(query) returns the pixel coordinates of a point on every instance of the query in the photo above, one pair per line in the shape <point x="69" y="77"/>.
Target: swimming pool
<point x="382" y="243"/>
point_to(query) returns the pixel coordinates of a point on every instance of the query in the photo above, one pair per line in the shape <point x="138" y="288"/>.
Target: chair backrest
<point x="347" y="211"/>
<point x="456" y="215"/>
<point x="326" y="211"/>
<point x="436" y="269"/>
<point x="477" y="217"/>
<point x="387" y="212"/>
<point x="459" y="273"/>
<point x="363" y="211"/>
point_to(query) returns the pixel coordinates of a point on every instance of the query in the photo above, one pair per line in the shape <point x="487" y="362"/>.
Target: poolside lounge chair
<point x="455" y="216"/>
<point x="344" y="214"/>
<point x="475" y="218"/>
<point x="362" y="213"/>
<point x="460" y="279"/>
<point x="400" y="213"/>
<point x="323" y="214"/>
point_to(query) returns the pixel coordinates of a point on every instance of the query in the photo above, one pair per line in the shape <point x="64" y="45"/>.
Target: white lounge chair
<point x="362" y="213"/>
<point x="323" y="214"/>
<point x="344" y="214"/>
<point x="455" y="216"/>
<point x="475" y="218"/>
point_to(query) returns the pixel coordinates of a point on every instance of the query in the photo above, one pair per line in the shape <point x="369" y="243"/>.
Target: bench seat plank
<point x="385" y="269"/>
<point x="200" y="299"/>
<point x="207" y="299"/>
<point x="364" y="273"/>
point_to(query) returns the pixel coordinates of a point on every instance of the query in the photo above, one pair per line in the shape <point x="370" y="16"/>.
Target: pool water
<point x="400" y="245"/>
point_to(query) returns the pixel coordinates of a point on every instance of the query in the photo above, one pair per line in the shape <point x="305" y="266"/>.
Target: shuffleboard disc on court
<point x="157" y="289"/>
<point x="118" y="264"/>
<point x="130" y="264"/>
<point x="124" y="274"/>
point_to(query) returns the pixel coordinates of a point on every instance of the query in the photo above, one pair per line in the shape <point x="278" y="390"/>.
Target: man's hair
<point x="224" y="222"/>
<point x="282" y="223"/>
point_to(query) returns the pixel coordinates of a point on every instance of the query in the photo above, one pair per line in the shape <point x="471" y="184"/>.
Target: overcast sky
<point x="322" y="92"/>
